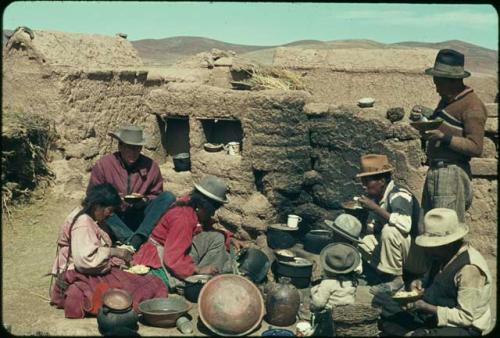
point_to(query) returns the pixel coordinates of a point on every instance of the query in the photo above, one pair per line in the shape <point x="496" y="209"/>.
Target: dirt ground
<point x="28" y="244"/>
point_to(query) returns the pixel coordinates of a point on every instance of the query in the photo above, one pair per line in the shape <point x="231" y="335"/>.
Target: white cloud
<point x="409" y="18"/>
<point x="371" y="14"/>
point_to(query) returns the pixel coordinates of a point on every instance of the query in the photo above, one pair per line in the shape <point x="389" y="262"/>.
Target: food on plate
<point x="138" y="269"/>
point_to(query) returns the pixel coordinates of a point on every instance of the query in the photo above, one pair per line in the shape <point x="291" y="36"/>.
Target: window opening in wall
<point x="176" y="139"/>
<point x="258" y="176"/>
<point x="222" y="131"/>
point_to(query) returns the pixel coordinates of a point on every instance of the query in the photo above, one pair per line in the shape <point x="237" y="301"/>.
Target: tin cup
<point x="293" y="221"/>
<point x="233" y="148"/>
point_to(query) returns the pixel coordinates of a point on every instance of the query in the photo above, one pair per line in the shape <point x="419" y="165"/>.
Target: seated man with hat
<point x="450" y="147"/>
<point x="132" y="173"/>
<point x="457" y="292"/>
<point x="184" y="242"/>
<point x="392" y="223"/>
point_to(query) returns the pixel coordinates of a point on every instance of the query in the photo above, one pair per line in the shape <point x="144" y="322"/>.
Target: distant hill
<point x="478" y="59"/>
<point x="167" y="51"/>
<point x="6" y="32"/>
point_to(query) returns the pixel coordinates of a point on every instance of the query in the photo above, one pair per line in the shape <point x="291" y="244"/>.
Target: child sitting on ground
<point x="338" y="287"/>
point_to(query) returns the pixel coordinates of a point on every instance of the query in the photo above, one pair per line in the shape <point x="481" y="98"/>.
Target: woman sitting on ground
<point x="184" y="243"/>
<point x="86" y="264"/>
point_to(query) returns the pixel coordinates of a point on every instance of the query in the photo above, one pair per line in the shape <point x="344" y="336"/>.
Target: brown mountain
<point x="167" y="51"/>
<point x="478" y="59"/>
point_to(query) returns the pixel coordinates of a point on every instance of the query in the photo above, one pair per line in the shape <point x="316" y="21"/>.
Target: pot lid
<point x="320" y="231"/>
<point x="117" y="299"/>
<point x="198" y="278"/>
<point x="298" y="262"/>
<point x="282" y="227"/>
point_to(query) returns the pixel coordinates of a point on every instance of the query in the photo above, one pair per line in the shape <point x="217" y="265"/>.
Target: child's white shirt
<point x="330" y="293"/>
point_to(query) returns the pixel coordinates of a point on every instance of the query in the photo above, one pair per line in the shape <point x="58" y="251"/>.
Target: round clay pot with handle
<point x="282" y="303"/>
<point x="116" y="312"/>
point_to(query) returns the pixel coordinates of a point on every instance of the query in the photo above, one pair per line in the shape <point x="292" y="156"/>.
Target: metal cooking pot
<point x="253" y="263"/>
<point x="299" y="271"/>
<point x="231" y="305"/>
<point x="193" y="286"/>
<point x="316" y="240"/>
<point x="279" y="236"/>
<point x="182" y="162"/>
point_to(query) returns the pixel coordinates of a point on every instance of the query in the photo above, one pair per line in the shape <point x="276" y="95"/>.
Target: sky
<point x="262" y="24"/>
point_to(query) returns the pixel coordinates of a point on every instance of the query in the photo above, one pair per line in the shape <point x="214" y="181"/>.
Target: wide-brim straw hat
<point x="346" y="226"/>
<point x="373" y="164"/>
<point x="441" y="227"/>
<point x="449" y="64"/>
<point x="339" y="258"/>
<point x="131" y="135"/>
<point x="213" y="187"/>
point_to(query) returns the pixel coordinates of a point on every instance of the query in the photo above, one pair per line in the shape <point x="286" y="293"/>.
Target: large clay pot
<point x="282" y="303"/>
<point x="116" y="312"/>
<point x="231" y="305"/>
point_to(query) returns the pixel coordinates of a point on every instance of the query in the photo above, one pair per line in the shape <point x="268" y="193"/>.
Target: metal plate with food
<point x="284" y="255"/>
<point x="407" y="296"/>
<point x="426" y="125"/>
<point x="351" y="205"/>
<point x="138" y="269"/>
<point x="212" y="148"/>
<point x="132" y="198"/>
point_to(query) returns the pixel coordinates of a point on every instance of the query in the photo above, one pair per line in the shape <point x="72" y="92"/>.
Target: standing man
<point x="460" y="136"/>
<point x="132" y="173"/>
<point x="392" y="222"/>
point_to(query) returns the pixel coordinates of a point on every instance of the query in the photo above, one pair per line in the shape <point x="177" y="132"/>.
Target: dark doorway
<point x="177" y="135"/>
<point x="222" y="131"/>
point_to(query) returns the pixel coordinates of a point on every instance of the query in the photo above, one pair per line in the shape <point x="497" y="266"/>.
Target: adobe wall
<point x="393" y="77"/>
<point x="28" y="85"/>
<point x="297" y="156"/>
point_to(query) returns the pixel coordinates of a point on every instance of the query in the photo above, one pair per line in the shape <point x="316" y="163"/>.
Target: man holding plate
<point x="138" y="180"/>
<point x="455" y="294"/>
<point x="458" y="138"/>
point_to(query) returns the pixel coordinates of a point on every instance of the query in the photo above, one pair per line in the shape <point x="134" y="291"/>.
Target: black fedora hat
<point x="450" y="64"/>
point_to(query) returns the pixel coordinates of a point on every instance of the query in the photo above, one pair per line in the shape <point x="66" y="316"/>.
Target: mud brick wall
<point x="483" y="214"/>
<point x="341" y="135"/>
<point x="389" y="89"/>
<point x="98" y="102"/>
<point x="275" y="147"/>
